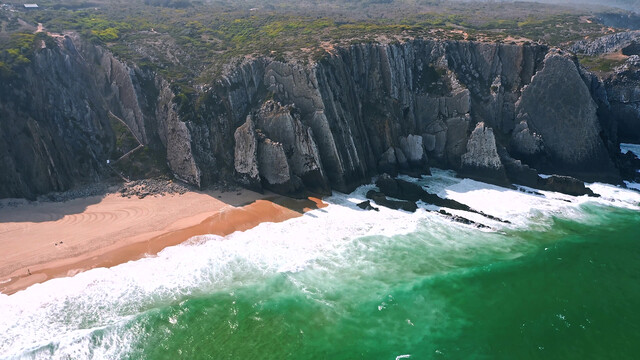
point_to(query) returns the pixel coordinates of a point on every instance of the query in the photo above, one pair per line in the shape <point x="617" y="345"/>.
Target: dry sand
<point x="47" y="240"/>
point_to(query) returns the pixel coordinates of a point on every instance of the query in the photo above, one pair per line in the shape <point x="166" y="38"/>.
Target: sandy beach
<point x="41" y="241"/>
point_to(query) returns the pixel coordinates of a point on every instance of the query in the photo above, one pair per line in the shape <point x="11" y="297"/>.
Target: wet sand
<point x="50" y="240"/>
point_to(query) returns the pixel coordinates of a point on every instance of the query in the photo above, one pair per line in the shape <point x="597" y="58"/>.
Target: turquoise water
<point x="563" y="282"/>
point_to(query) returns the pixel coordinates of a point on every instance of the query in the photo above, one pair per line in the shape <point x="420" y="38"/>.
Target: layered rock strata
<point x="496" y="112"/>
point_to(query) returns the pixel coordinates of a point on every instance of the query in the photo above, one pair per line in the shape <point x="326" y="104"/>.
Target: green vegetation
<point x="93" y="25"/>
<point x="125" y="141"/>
<point x="143" y="163"/>
<point x="18" y="51"/>
<point x="600" y="63"/>
<point x="189" y="43"/>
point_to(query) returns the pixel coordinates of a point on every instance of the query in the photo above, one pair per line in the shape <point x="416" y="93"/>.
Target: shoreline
<point x="97" y="231"/>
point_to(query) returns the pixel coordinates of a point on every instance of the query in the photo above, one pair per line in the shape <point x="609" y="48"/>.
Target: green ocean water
<point x="571" y="291"/>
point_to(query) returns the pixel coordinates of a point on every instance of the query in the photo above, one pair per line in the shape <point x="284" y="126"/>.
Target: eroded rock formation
<point x="495" y="112"/>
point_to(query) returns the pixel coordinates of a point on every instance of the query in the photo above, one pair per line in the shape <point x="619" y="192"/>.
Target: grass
<point x="601" y="64"/>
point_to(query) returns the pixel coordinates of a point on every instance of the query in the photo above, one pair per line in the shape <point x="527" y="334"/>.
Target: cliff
<point x="58" y="128"/>
<point x="292" y="128"/>
<point x="623" y="90"/>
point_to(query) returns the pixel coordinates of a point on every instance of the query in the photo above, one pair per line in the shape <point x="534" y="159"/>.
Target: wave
<point x="634" y="148"/>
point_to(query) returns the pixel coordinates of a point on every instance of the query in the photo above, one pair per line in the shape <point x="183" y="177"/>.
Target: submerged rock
<point x="405" y="190"/>
<point x="462" y="220"/>
<point x="366" y="205"/>
<point x="566" y="185"/>
<point x="382" y="200"/>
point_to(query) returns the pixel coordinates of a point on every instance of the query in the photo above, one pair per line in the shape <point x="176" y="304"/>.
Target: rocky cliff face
<point x="606" y="44"/>
<point x="623" y="90"/>
<point x="54" y="127"/>
<point x="57" y="132"/>
<point x="482" y="108"/>
<point x="558" y="107"/>
<point x="620" y="89"/>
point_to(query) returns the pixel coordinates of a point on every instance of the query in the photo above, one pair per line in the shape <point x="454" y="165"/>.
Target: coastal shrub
<point x="17" y="52"/>
<point x="600" y="63"/>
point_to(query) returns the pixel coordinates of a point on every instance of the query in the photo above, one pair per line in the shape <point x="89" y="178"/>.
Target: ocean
<point x="562" y="281"/>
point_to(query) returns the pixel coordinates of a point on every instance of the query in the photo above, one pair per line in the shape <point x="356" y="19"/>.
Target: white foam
<point x="522" y="208"/>
<point x="632" y="185"/>
<point x="634" y="148"/>
<point x="611" y="195"/>
<point x="61" y="315"/>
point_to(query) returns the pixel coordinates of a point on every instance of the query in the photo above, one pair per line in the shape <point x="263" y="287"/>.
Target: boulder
<point x="404" y="190"/>
<point x="366" y="205"/>
<point x="403" y="163"/>
<point x="437" y="131"/>
<point x="517" y="172"/>
<point x="413" y="149"/>
<point x="566" y="185"/>
<point x="274" y="168"/>
<point x="429" y="141"/>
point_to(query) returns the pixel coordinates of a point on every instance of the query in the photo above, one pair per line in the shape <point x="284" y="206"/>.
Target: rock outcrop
<point x="246" y="156"/>
<point x="623" y="94"/>
<point x="606" y="44"/>
<point x="481" y="159"/>
<point x="55" y="128"/>
<point x="558" y="107"/>
<point x="274" y="167"/>
<point x="282" y="124"/>
<point x="566" y="185"/>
